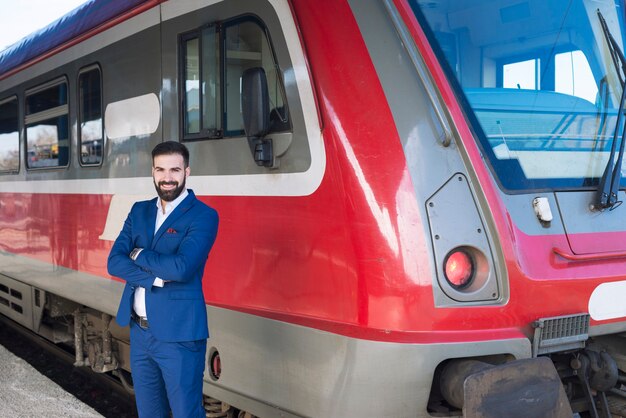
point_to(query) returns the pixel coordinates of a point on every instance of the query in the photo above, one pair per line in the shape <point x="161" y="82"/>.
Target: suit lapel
<point x="180" y="210"/>
<point x="150" y="219"/>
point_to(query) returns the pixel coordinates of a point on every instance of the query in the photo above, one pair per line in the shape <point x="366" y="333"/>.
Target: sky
<point x="19" y="18"/>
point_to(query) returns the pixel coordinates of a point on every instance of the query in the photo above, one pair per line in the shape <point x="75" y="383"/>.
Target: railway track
<point x="102" y="392"/>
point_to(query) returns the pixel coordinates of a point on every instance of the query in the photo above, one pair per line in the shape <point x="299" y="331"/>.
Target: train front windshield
<point x="541" y="82"/>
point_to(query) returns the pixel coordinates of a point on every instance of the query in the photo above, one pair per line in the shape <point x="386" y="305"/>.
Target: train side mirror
<point x="256" y="115"/>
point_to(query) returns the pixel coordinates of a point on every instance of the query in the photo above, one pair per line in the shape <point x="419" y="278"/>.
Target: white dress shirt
<point x="139" y="302"/>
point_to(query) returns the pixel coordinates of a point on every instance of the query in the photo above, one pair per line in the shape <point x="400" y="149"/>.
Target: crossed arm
<point x="190" y="256"/>
<point x="149" y="264"/>
<point x="121" y="265"/>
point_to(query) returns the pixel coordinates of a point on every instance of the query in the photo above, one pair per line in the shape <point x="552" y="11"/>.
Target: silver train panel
<point x="99" y="293"/>
<point x="92" y="45"/>
<point x="320" y="374"/>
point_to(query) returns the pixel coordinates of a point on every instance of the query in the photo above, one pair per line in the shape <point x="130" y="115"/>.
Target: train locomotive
<point x="420" y="200"/>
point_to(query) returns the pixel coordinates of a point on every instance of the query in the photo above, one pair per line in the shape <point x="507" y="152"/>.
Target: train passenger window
<point x="47" y="126"/>
<point x="90" y="116"/>
<point x="214" y="59"/>
<point x="9" y="136"/>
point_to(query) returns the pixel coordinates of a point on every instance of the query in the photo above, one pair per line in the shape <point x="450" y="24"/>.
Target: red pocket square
<point x="171" y="231"/>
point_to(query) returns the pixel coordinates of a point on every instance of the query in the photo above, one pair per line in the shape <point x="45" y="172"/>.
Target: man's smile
<point x="168" y="186"/>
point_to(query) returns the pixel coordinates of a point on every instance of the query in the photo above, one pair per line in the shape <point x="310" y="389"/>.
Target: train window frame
<point x="79" y="115"/>
<point x="59" y="111"/>
<point x="3" y="102"/>
<point x="221" y="30"/>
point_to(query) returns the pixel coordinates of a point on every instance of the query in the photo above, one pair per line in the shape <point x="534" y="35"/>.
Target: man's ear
<point x="187" y="171"/>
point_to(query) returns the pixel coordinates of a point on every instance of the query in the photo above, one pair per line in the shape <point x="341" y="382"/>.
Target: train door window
<point x="47" y="126"/>
<point x="90" y="132"/>
<point x="192" y="86"/>
<point x="9" y="136"/>
<point x="202" y="87"/>
<point x="214" y="59"/>
<point x="211" y="91"/>
<point x="247" y="46"/>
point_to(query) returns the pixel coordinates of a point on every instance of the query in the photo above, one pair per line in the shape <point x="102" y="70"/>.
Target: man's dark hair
<point x="169" y="148"/>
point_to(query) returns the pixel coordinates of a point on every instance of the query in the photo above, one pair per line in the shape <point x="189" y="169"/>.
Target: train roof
<point x="89" y="16"/>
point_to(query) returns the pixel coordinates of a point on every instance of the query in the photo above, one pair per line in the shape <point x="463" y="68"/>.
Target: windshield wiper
<point x="606" y="196"/>
<point x="616" y="52"/>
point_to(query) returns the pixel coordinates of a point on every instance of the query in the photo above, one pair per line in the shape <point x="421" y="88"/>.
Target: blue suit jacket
<point x="177" y="254"/>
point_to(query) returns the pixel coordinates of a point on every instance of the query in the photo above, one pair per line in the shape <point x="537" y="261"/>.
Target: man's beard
<point x="169" y="195"/>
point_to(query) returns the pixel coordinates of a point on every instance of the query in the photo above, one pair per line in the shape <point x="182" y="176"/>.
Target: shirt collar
<point x="170" y="206"/>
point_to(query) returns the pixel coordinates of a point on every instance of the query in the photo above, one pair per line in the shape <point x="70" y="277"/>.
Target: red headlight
<point x="459" y="269"/>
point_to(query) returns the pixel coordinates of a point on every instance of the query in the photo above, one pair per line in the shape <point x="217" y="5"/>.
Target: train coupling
<point x="517" y="389"/>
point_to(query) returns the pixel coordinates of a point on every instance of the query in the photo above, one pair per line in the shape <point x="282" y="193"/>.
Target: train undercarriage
<point x="94" y="337"/>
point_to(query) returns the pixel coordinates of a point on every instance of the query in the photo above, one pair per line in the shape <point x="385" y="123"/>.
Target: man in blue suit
<point x="161" y="253"/>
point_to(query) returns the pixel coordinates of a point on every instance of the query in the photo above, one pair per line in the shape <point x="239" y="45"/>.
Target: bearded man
<point x="161" y="253"/>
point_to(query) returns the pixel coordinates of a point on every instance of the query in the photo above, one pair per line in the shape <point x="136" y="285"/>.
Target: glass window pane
<point x="90" y="123"/>
<point x="573" y="76"/>
<point x="278" y="109"/>
<point x="47" y="127"/>
<point x="48" y="143"/>
<point x="9" y="137"/>
<point x="520" y="75"/>
<point x="246" y="47"/>
<point x="211" y="109"/>
<point x="555" y="132"/>
<point x="192" y="86"/>
<point x="46" y="99"/>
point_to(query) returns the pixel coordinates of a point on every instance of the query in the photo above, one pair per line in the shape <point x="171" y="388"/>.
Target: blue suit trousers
<point x="166" y="375"/>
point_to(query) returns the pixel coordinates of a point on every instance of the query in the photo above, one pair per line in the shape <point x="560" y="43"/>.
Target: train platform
<point x="24" y="392"/>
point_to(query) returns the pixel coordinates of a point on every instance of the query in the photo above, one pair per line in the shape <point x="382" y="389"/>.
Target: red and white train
<point x="420" y="218"/>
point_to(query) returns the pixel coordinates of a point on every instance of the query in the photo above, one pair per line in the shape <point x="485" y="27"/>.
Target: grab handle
<point x="589" y="257"/>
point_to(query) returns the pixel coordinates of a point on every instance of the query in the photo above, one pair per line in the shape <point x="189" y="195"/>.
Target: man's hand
<point x="158" y="282"/>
